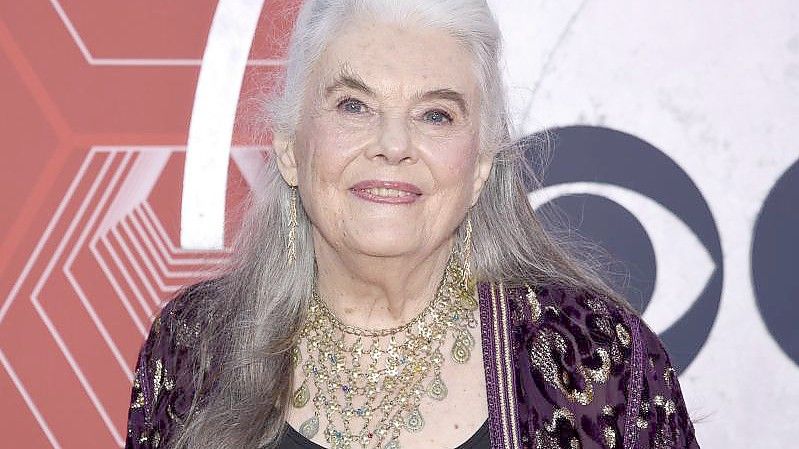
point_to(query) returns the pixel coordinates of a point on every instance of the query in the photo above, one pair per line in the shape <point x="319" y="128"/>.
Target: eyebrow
<point x="447" y="94"/>
<point x="349" y="79"/>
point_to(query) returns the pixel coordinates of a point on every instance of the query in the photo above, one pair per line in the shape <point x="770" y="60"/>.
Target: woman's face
<point x="386" y="155"/>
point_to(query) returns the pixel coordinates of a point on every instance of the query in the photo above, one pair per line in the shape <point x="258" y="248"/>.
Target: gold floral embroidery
<point x="161" y="378"/>
<point x="170" y="411"/>
<point x="168" y="382"/>
<point x="623" y="334"/>
<point x="662" y="429"/>
<point x="601" y="374"/>
<point x="159" y="365"/>
<point x="562" y="423"/>
<point x="610" y="436"/>
<point x="596" y="305"/>
<point x="667" y="404"/>
<point x="615" y="354"/>
<point x="535" y="305"/>
<point x="138" y="402"/>
<point x="552" y="309"/>
<point x="542" y="354"/>
<point x="668" y="375"/>
<point x="558" y="414"/>
<point x="603" y="322"/>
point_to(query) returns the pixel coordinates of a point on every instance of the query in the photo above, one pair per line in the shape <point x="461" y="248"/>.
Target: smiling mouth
<point x="386" y="193"/>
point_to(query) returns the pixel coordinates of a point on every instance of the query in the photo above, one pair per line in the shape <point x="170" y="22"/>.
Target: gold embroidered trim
<point x="504" y="368"/>
<point x="508" y="368"/>
<point x="498" y="350"/>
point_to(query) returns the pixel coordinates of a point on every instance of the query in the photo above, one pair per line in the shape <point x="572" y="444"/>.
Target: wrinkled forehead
<point x="390" y="60"/>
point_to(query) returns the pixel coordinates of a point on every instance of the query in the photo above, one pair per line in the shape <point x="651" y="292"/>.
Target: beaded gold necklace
<point x="368" y="384"/>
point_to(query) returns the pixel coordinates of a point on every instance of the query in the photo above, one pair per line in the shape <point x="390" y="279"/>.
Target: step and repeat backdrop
<point x="673" y="133"/>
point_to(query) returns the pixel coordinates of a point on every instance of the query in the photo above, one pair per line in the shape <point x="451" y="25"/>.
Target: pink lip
<point x="360" y="190"/>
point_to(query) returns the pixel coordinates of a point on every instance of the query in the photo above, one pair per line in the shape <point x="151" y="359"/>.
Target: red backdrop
<point x="96" y="97"/>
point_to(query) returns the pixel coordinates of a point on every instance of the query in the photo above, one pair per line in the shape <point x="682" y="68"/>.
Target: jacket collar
<point x="494" y="303"/>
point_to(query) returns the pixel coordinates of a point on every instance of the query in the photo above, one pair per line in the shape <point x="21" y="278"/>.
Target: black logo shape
<point x="587" y="154"/>
<point x="775" y="268"/>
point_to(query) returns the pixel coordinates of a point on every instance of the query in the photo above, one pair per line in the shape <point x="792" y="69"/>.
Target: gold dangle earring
<point x="466" y="252"/>
<point x="467" y="283"/>
<point x="291" y="252"/>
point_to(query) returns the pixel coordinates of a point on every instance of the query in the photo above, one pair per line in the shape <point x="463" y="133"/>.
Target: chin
<point x="386" y="244"/>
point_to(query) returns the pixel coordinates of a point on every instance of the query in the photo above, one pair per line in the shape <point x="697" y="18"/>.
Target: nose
<point x="394" y="143"/>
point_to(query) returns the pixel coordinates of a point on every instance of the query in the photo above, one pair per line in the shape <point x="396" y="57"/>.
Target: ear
<point x="283" y="148"/>
<point x="485" y="161"/>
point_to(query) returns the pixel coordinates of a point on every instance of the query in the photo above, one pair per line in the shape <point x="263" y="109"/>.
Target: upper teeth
<point x="381" y="191"/>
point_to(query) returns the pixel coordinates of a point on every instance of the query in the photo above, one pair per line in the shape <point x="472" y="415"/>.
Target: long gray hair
<point x="251" y="314"/>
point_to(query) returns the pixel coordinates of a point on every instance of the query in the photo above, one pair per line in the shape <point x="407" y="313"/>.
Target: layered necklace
<point x="368" y="384"/>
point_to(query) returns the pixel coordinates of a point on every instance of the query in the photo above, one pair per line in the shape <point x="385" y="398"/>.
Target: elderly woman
<point x="391" y="285"/>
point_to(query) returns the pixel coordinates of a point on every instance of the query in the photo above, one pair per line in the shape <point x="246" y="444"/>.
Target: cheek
<point x="453" y="163"/>
<point x="326" y="151"/>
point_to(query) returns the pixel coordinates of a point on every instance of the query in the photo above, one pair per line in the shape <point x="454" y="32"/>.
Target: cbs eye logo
<point x="633" y="200"/>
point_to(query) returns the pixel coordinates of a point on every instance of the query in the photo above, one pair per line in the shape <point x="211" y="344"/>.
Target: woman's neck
<point x="378" y="292"/>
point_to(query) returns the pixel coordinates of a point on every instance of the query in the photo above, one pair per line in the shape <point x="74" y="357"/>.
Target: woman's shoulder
<point x="163" y="385"/>
<point x="183" y="315"/>
<point x="590" y="366"/>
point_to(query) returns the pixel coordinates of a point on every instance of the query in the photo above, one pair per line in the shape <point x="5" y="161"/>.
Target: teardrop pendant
<point x="437" y="389"/>
<point x="460" y="353"/>
<point x="301" y="396"/>
<point x="468" y="300"/>
<point x="310" y="427"/>
<point x="414" y="421"/>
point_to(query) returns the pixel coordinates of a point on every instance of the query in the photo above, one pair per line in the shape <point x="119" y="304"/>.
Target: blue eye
<point x="437" y="116"/>
<point x="352" y="106"/>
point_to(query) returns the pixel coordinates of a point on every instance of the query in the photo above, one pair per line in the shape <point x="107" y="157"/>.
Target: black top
<point x="293" y="440"/>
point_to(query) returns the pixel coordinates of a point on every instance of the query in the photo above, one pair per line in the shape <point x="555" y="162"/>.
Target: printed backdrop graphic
<point x="128" y="145"/>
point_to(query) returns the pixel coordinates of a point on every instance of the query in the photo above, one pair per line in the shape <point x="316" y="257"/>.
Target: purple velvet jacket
<point x="564" y="369"/>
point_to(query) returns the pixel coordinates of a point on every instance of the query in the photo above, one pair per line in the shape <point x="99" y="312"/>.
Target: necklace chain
<point x="358" y="331"/>
<point x="367" y="384"/>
